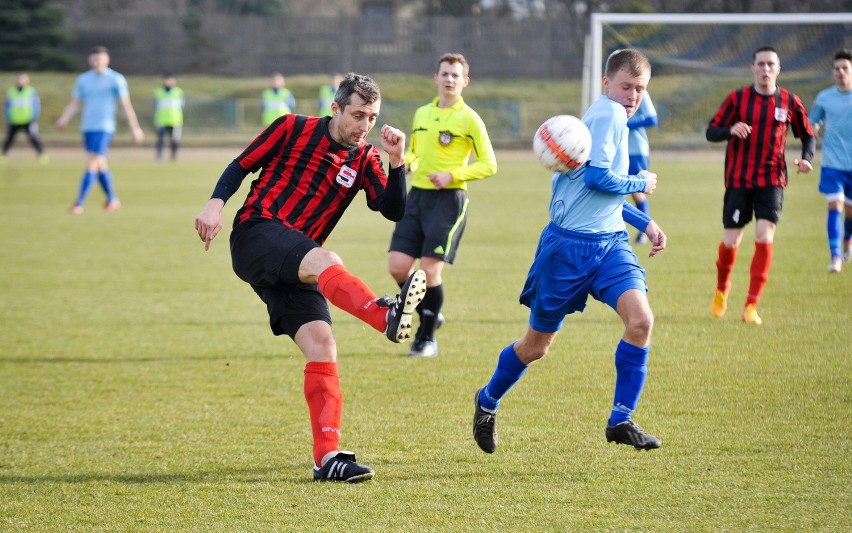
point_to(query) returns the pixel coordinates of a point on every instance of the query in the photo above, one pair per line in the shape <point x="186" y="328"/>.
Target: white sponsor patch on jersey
<point x="346" y="176"/>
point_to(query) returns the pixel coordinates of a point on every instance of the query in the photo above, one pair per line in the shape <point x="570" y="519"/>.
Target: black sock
<point x="429" y="309"/>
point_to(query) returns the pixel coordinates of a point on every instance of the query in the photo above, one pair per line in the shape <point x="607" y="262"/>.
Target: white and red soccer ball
<point x="562" y="143"/>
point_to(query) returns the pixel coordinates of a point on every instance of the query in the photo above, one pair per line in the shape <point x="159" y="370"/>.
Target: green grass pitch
<point x="142" y="390"/>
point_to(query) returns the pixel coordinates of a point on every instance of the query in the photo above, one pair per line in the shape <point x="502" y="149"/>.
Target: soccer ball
<point x="562" y="143"/>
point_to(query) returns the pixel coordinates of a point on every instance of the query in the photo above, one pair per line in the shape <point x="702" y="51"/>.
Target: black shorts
<point x="764" y="202"/>
<point x="267" y="255"/>
<point x="433" y="224"/>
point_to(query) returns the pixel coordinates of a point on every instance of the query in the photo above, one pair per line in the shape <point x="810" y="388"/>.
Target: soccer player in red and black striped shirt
<point x="309" y="171"/>
<point x="754" y="121"/>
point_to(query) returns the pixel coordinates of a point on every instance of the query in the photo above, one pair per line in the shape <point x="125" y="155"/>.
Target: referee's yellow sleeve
<point x="486" y="162"/>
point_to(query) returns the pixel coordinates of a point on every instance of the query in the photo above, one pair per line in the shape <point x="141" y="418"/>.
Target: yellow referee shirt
<point x="442" y="140"/>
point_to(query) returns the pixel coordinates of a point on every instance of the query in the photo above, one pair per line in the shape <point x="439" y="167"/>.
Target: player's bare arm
<point x="70" y="110"/>
<point x="130" y="113"/>
<point x="208" y="223"/>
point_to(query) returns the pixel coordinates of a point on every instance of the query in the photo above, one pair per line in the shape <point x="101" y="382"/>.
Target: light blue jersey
<point x="833" y="109"/>
<point x="645" y="117"/>
<point x="99" y="93"/>
<point x="590" y="199"/>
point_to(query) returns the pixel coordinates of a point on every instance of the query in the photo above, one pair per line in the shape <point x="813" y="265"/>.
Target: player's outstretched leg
<point x="388" y="315"/>
<point x="401" y="309"/>
<point x="343" y="467"/>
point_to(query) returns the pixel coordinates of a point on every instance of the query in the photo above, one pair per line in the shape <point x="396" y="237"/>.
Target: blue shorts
<point x="97" y="142"/>
<point x="569" y="266"/>
<point x="637" y="163"/>
<point x="836" y="183"/>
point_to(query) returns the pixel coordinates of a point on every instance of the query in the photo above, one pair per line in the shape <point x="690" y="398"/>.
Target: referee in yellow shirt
<point x="444" y="135"/>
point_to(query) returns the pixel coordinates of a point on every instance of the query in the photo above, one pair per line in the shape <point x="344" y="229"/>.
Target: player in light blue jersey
<point x="833" y="109"/>
<point x="97" y="91"/>
<point x="585" y="250"/>
<point x="639" y="150"/>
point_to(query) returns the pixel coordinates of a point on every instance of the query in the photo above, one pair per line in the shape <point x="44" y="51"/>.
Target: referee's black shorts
<point x="764" y="202"/>
<point x="433" y="224"/>
<point x="267" y="255"/>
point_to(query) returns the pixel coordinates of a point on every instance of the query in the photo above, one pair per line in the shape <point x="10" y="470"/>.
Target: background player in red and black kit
<point x="754" y="121"/>
<point x="310" y="170"/>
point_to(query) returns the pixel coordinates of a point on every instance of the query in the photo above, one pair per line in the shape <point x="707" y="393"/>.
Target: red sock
<point x="724" y="265"/>
<point x="352" y="295"/>
<point x="325" y="403"/>
<point x="760" y="264"/>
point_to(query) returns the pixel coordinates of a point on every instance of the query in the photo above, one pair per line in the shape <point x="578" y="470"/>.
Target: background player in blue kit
<point x="97" y="91"/>
<point x="585" y="250"/>
<point x="639" y="150"/>
<point x="833" y="109"/>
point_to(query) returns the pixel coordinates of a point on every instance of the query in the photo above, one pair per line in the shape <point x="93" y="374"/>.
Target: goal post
<point x="701" y="53"/>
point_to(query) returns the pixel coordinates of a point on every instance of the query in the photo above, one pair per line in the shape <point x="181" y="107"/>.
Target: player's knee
<point x="399" y="266"/>
<point x="398" y="272"/>
<point x="433" y="276"/>
<point x="532" y="354"/>
<point x="317" y="343"/>
<point x="537" y="353"/>
<point x="639" y="325"/>
<point x="326" y="258"/>
<point x="324" y="352"/>
<point x="529" y="350"/>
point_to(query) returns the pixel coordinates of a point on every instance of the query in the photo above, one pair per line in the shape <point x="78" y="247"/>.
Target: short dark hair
<point x="843" y="53"/>
<point x="452" y="58"/>
<point x="100" y="49"/>
<point x="356" y="83"/>
<point x="764" y="48"/>
<point x="627" y="58"/>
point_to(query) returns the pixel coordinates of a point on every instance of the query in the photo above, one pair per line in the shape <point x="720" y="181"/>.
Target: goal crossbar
<point x="593" y="73"/>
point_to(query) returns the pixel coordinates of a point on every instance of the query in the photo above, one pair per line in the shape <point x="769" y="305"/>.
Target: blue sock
<point x="834" y="227"/>
<point x="508" y="372"/>
<point x="85" y="186"/>
<point x="105" y="178"/>
<point x="631" y="367"/>
<point x="642" y="206"/>
<point x="847" y="229"/>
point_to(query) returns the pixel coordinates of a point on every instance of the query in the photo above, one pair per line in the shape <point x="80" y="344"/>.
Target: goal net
<point x="698" y="59"/>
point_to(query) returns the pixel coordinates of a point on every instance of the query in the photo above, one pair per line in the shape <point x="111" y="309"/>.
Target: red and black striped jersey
<point x="307" y="179"/>
<point x="759" y="159"/>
